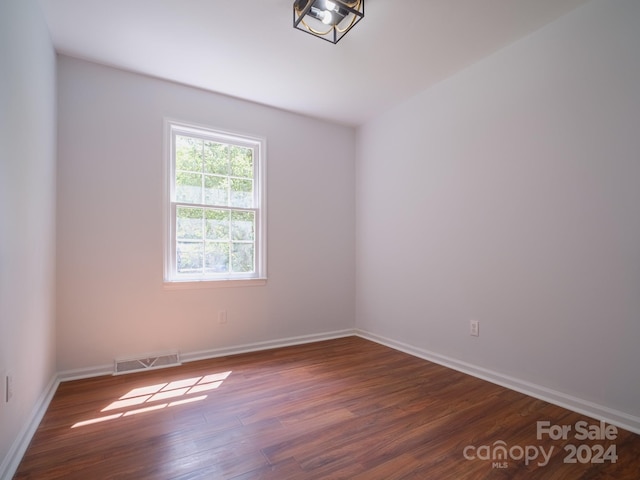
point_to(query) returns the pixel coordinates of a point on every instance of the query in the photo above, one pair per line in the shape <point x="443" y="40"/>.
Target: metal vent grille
<point x="146" y="363"/>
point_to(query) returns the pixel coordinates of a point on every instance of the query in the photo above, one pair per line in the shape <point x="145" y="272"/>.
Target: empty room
<point x="313" y="239"/>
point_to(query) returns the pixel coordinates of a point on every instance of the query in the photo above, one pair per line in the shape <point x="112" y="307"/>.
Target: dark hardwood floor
<point x="340" y="409"/>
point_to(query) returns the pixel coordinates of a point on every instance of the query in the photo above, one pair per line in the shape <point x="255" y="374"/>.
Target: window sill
<point x="198" y="284"/>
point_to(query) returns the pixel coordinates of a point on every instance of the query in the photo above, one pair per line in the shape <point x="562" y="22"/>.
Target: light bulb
<point x="329" y="5"/>
<point x="327" y="18"/>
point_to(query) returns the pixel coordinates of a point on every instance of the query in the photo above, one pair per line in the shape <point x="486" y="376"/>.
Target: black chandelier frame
<point x="351" y="10"/>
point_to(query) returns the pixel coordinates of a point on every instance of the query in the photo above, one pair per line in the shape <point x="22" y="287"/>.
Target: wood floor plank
<point x="341" y="409"/>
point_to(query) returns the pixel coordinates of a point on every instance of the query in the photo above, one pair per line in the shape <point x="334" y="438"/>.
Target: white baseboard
<point x="81" y="373"/>
<point x="99" y="370"/>
<point x="268" y="345"/>
<point x="16" y="452"/>
<point x="578" y="405"/>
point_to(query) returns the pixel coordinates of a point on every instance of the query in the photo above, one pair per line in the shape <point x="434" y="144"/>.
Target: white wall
<point x="27" y="216"/>
<point x="510" y="193"/>
<point x="111" y="301"/>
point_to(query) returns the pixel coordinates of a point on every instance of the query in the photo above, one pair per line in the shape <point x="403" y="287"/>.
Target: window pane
<point x="189" y="257"/>
<point x="242" y="226"/>
<point x="188" y="187"/>
<point x="242" y="257"/>
<point x="188" y="154"/>
<point x="189" y="223"/>
<point x="241" y="162"/>
<point x="217" y="225"/>
<point x="217" y="257"/>
<point x="216" y="158"/>
<point x="216" y="190"/>
<point x="241" y="193"/>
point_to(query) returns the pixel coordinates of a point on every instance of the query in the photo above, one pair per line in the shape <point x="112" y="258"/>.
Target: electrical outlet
<point x="474" y="328"/>
<point x="222" y="317"/>
<point x="8" y="387"/>
<point x="3" y="386"/>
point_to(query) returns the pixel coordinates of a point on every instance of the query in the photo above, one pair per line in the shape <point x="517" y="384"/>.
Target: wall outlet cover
<point x="474" y="328"/>
<point x="8" y="387"/>
<point x="3" y="386"/>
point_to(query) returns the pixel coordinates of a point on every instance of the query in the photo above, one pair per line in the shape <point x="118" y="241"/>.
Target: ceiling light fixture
<point x="327" y="19"/>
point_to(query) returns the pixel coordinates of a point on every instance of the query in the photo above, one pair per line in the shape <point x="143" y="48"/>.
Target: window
<point x="216" y="213"/>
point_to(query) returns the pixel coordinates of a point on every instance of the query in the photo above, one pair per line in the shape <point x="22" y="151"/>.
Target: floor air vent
<point x="146" y="363"/>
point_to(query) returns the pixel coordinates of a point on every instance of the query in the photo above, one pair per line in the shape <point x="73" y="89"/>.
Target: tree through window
<point x="216" y="204"/>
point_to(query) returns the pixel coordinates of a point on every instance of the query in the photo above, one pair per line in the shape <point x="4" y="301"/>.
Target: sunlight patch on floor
<point x="145" y="397"/>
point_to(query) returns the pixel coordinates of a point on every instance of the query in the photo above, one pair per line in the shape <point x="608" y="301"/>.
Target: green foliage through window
<point x="215" y="216"/>
<point x="211" y="173"/>
<point x="214" y="240"/>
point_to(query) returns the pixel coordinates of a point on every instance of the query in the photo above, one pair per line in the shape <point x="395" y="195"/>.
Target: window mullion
<point x="215" y="207"/>
<point x="202" y="182"/>
<point x="203" y="228"/>
<point x="203" y="195"/>
<point x="229" y="178"/>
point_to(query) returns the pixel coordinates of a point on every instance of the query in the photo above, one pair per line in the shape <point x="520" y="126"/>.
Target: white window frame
<point x="174" y="280"/>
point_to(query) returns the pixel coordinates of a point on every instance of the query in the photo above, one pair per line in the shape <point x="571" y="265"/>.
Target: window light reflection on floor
<point x="145" y="397"/>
